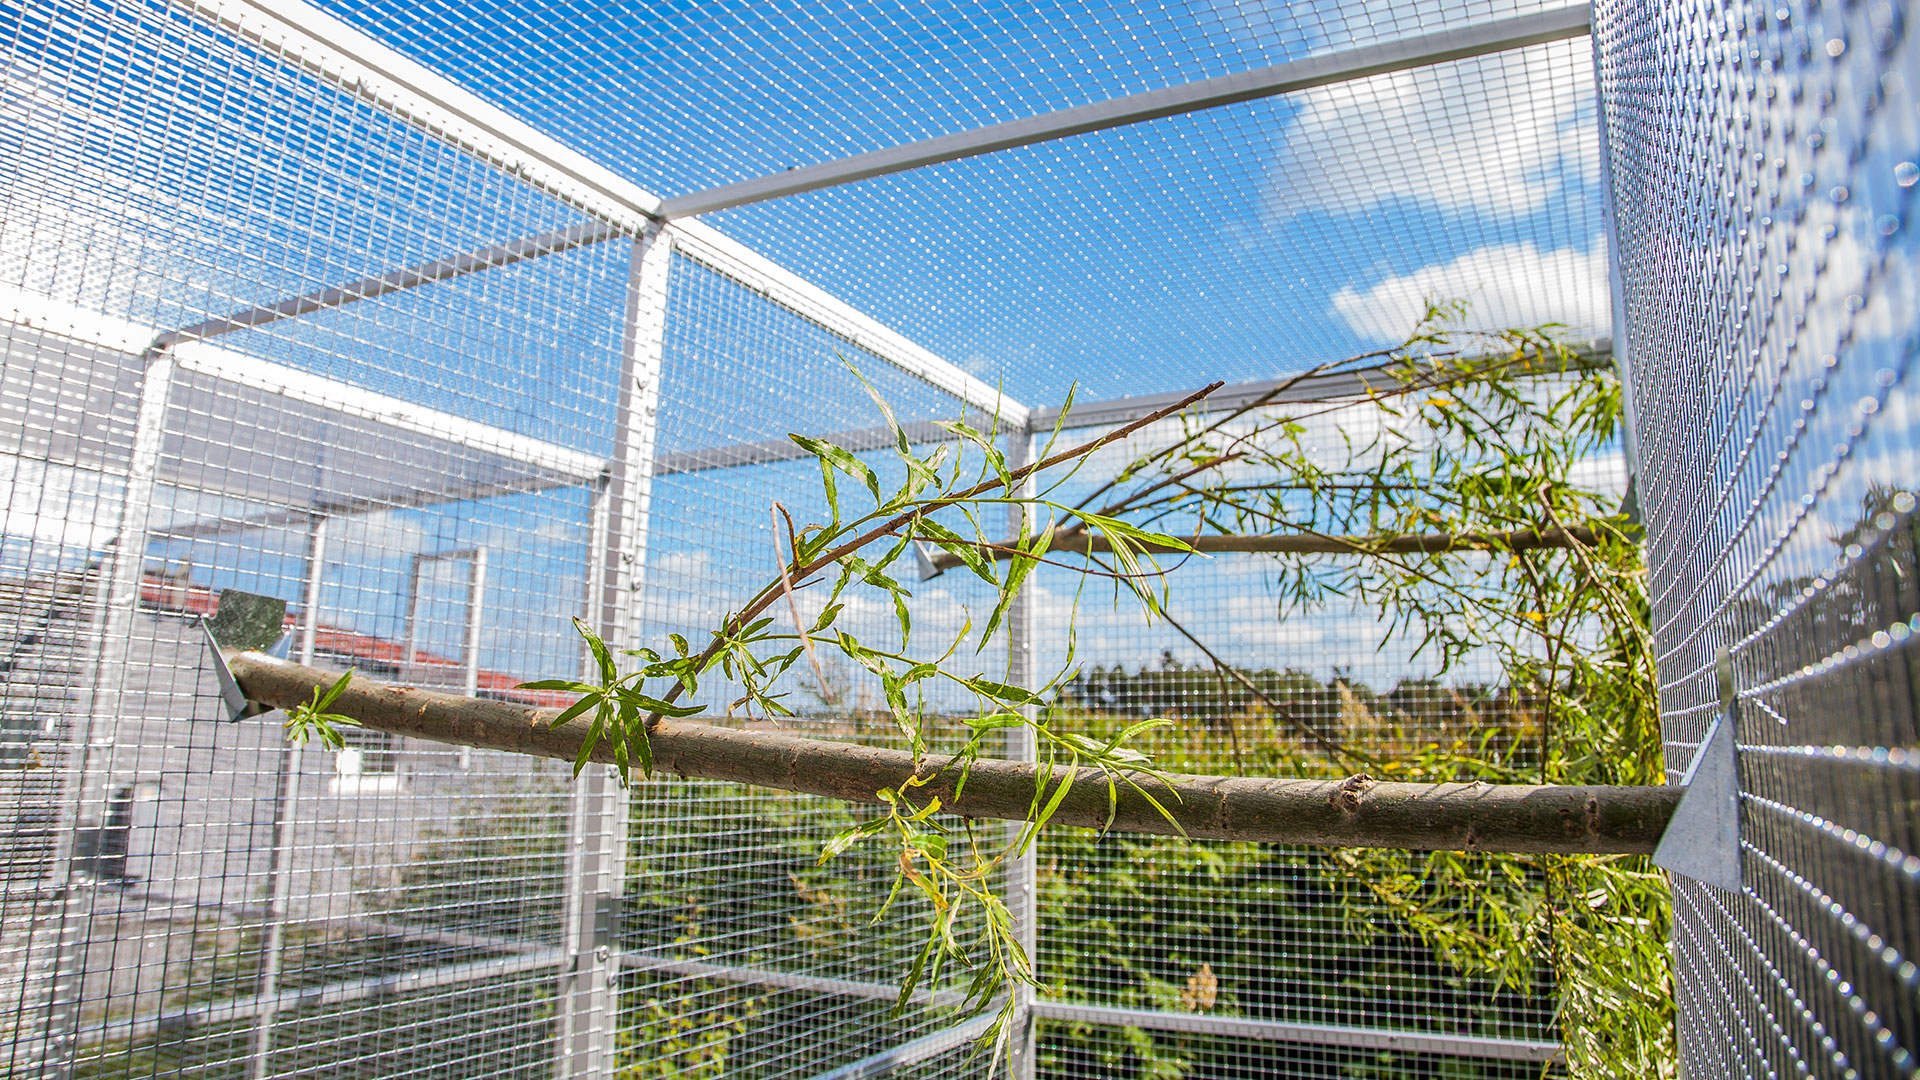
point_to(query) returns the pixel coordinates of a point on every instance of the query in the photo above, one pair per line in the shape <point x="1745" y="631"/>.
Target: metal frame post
<point x="589" y="1002"/>
<point x="1616" y="280"/>
<point x="476" y="614"/>
<point x="286" y="810"/>
<point x="1022" y="897"/>
<point x="470" y="633"/>
<point x="116" y="611"/>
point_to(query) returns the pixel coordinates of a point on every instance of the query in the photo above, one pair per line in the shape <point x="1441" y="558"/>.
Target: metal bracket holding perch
<point x="242" y="622"/>
<point x="923" y="558"/>
<point x="1703" y="839"/>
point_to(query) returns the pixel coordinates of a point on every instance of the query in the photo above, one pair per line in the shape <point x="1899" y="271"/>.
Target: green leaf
<point x="846" y="838"/>
<point x="637" y="700"/>
<point x="830" y="613"/>
<point x="1053" y="802"/>
<point x="587" y="744"/>
<point x="995" y="457"/>
<point x="1113" y="526"/>
<point x="590" y="700"/>
<point x="967" y="551"/>
<point x="899" y="434"/>
<point x="831" y="455"/>
<point x="333" y="692"/>
<point x="1017" y="570"/>
<point x="569" y="685"/>
<point x="634" y="726"/>
<point x="1002" y="691"/>
<point x="601" y="656"/>
<point x="996" y="720"/>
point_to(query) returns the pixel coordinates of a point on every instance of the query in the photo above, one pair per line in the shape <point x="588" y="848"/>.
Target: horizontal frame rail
<point x="1283" y="78"/>
<point x="781" y="980"/>
<point x="528" y="958"/>
<point x="327" y="47"/>
<point x="1332" y="386"/>
<point x="732" y="259"/>
<point x="290" y="516"/>
<point x="731" y="455"/>
<point x="907" y="1053"/>
<point x="1413" y="1042"/>
<point x="231" y="1010"/>
<point x="555" y="242"/>
<point x="350" y="400"/>
<point x="313" y="41"/>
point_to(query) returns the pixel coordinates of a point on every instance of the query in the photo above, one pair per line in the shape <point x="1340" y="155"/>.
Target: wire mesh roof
<point x="1236" y="242"/>
<point x="171" y="165"/>
<point x="255" y="444"/>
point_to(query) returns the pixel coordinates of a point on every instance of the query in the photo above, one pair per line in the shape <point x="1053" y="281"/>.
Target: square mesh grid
<point x="421" y="477"/>
<point x="1764" y="163"/>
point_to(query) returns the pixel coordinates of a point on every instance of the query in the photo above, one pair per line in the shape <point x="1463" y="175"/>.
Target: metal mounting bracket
<point x="1703" y="839"/>
<point x="242" y="622"/>
<point x="923" y="558"/>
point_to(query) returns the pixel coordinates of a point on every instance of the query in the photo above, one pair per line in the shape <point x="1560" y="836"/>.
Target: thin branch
<point x="1308" y="543"/>
<point x="793" y="606"/>
<point x="1013" y="480"/>
<point x="1326" y="742"/>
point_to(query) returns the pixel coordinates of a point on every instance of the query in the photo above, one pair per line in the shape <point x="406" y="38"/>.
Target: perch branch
<point x="1355" y="812"/>
<point x="1082" y="543"/>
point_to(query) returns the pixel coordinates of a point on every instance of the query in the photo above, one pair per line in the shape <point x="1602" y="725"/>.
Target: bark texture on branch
<point x="1355" y="812"/>
<point x="1081" y="543"/>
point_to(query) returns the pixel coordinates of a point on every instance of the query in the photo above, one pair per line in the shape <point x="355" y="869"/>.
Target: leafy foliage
<point x="1487" y="437"/>
<point x="858" y="548"/>
<point x="313" y="718"/>
<point x="1481" y="440"/>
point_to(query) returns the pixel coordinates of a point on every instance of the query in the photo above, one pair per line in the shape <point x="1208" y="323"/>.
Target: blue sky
<point x="1238" y="243"/>
<point x="1215" y="244"/>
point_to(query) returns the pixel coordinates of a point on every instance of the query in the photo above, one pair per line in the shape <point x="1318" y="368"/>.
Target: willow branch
<point x="890" y="526"/>
<point x="1355" y="812"/>
<point x="1320" y="544"/>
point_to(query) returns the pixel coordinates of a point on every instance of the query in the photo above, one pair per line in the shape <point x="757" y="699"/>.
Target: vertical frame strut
<point x="286" y="811"/>
<point x="1021" y="886"/>
<point x="589" y="1009"/>
<point x="115" y="615"/>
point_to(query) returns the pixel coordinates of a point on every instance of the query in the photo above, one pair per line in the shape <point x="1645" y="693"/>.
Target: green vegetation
<point x="1527" y="611"/>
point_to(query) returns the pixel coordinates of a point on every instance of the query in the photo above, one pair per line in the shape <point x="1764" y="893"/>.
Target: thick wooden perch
<point x="1081" y="543"/>
<point x="1356" y="812"/>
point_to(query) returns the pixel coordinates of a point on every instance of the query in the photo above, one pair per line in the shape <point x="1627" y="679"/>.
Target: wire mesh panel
<point x="1764" y="157"/>
<point x="1237" y="959"/>
<point x="347" y="366"/>
<point x="744" y="954"/>
<point x="412" y="473"/>
<point x="270" y="325"/>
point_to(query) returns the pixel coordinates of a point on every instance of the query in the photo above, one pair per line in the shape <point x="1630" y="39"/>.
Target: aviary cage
<point x="444" y="323"/>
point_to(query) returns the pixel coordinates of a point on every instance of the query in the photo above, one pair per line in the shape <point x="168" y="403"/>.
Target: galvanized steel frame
<point x="359" y="66"/>
<point x="1283" y="78"/>
<point x="1232" y="1027"/>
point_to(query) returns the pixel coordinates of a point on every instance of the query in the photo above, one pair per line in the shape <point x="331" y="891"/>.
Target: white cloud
<point x="1498" y="134"/>
<point x="1507" y="285"/>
